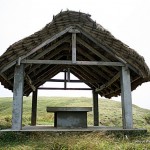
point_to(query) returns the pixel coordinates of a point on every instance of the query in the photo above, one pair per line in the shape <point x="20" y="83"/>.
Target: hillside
<point x="110" y="115"/>
<point x="110" y="111"/>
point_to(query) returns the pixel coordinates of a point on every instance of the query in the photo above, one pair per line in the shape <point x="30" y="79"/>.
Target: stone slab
<point x="56" y="109"/>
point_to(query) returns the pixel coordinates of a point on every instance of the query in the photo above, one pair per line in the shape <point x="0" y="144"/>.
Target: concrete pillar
<point x="126" y="98"/>
<point x="95" y="108"/>
<point x="34" y="108"/>
<point x="18" y="97"/>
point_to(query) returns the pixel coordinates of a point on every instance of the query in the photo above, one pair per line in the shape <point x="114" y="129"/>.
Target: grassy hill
<point x="110" y="115"/>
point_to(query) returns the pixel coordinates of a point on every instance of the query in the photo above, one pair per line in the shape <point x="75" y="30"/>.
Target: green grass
<point x="110" y="115"/>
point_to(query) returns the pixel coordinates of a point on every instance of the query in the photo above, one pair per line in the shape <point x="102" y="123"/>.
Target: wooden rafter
<point x="116" y="77"/>
<point x="36" y="48"/>
<point x="90" y="58"/>
<point x="78" y="75"/>
<point x="107" y="49"/>
<point x="29" y="81"/>
<point x="41" y="79"/>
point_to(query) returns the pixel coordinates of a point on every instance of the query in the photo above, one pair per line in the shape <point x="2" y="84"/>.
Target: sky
<point x="127" y="20"/>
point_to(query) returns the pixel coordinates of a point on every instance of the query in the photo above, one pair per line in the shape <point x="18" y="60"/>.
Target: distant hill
<point x="109" y="110"/>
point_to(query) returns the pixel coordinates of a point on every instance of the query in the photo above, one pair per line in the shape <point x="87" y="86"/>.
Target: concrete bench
<point x="70" y="117"/>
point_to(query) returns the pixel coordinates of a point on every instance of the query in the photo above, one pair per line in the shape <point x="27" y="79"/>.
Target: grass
<point x="110" y="115"/>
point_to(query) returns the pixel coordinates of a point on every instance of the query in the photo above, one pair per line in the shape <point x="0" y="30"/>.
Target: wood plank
<point x="91" y="74"/>
<point x="67" y="62"/>
<point x="116" y="77"/>
<point x="65" y="80"/>
<point x="74" y="48"/>
<point x="29" y="82"/>
<point x="109" y="50"/>
<point x="92" y="58"/>
<point x="83" y="76"/>
<point x="40" y="81"/>
<point x="73" y="30"/>
<point x="73" y="81"/>
<point x="9" y="65"/>
<point x="68" y="74"/>
<point x="52" y="47"/>
<point x="6" y="79"/>
<point x="51" y="88"/>
<point x="51" y="73"/>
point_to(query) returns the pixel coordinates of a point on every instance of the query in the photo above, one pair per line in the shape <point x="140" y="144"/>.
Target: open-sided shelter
<point x="73" y="42"/>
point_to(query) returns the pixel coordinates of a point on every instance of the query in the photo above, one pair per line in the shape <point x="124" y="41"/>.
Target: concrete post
<point x="18" y="97"/>
<point x="126" y="98"/>
<point x="95" y="108"/>
<point x="34" y="108"/>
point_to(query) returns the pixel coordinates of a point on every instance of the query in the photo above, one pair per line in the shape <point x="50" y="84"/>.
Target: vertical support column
<point x="95" y="108"/>
<point x="73" y="47"/>
<point x="18" y="97"/>
<point x="34" y="108"/>
<point x="65" y="80"/>
<point x="126" y="98"/>
<point x="68" y="75"/>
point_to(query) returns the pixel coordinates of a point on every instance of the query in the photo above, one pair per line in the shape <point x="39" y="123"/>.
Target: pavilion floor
<point x="88" y="129"/>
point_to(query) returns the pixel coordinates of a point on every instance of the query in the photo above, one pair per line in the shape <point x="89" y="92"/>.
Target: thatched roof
<point x="94" y="43"/>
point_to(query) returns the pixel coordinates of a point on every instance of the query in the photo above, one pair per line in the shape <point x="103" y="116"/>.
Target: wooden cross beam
<point x="29" y="81"/>
<point x="108" y="83"/>
<point x="67" y="62"/>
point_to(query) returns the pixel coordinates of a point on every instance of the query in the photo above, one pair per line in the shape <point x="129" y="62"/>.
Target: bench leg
<point x="55" y="119"/>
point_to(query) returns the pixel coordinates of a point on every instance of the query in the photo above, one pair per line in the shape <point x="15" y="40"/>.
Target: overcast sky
<point x="127" y="20"/>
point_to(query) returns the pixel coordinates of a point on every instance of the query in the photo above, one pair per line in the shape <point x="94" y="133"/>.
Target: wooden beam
<point x="39" y="70"/>
<point x="51" y="73"/>
<point x="51" y="88"/>
<point x="86" y="75"/>
<point x="68" y="74"/>
<point x="116" y="77"/>
<point x="96" y="69"/>
<point x="90" y="73"/>
<point x="73" y="81"/>
<point x="52" y="47"/>
<point x="100" y="69"/>
<point x="74" y="48"/>
<point x="90" y="58"/>
<point x="94" y="75"/>
<point x="9" y="65"/>
<point x="73" y="30"/>
<point x="44" y="52"/>
<point x="81" y="77"/>
<point x="67" y="62"/>
<point x="94" y="51"/>
<point x="29" y="81"/>
<point x="108" y="49"/>
<point x="65" y="80"/>
<point x="6" y="79"/>
<point x="46" y="73"/>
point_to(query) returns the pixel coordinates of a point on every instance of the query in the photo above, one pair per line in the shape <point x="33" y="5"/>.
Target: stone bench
<point x="70" y="117"/>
